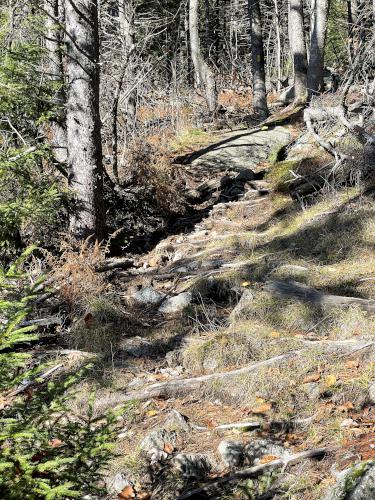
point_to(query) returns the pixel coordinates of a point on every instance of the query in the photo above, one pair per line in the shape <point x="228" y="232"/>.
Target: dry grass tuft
<point x="73" y="273"/>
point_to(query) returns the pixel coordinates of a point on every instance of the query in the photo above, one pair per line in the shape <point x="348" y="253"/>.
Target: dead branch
<point x="257" y="470"/>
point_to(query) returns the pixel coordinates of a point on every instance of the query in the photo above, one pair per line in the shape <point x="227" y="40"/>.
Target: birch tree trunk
<point x="203" y="73"/>
<point x="315" y="72"/>
<point x="55" y="128"/>
<point x="83" y="120"/>
<point x="257" y="60"/>
<point x="298" y="50"/>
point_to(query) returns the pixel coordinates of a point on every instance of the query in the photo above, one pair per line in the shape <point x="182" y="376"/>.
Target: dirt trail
<point x="206" y="268"/>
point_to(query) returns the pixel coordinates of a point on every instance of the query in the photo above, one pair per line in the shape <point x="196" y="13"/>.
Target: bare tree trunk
<point x="298" y="49"/>
<point x="55" y="129"/>
<point x="257" y="60"/>
<point x="83" y="119"/>
<point x="203" y="73"/>
<point x="278" y="45"/>
<point x="315" y="72"/>
<point x="127" y="24"/>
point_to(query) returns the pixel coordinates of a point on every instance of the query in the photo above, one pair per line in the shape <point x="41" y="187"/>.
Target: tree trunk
<point x="298" y="50"/>
<point x="257" y="60"/>
<point x="55" y="129"/>
<point x="278" y="45"/>
<point x="83" y="120"/>
<point x="315" y="72"/>
<point x="127" y="28"/>
<point x="203" y="73"/>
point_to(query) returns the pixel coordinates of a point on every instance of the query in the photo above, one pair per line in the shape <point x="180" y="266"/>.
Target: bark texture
<point x="315" y="71"/>
<point x="83" y="120"/>
<point x="55" y="129"/>
<point x="298" y="49"/>
<point x="203" y="74"/>
<point x="257" y="60"/>
<point x="127" y="28"/>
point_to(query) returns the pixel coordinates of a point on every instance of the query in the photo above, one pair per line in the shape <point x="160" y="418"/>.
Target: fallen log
<point x="176" y="386"/>
<point x="171" y="388"/>
<point x="256" y="471"/>
<point x="303" y="293"/>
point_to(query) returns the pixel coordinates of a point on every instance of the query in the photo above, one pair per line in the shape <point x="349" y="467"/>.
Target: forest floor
<point x="247" y="311"/>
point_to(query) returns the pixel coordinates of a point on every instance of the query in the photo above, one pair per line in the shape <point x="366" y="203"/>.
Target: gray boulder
<point x="176" y="304"/>
<point x="153" y="444"/>
<point x="116" y="484"/>
<point x="243" y="305"/>
<point x="148" y="296"/>
<point x="231" y="452"/>
<point x="261" y="447"/>
<point x="357" y="483"/>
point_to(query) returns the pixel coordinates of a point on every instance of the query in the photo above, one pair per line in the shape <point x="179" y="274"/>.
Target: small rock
<point x="176" y="304"/>
<point x="261" y="447"/>
<point x="371" y="393"/>
<point x="148" y="296"/>
<point x="232" y="453"/>
<point x="172" y="358"/>
<point x="136" y="346"/>
<point x="243" y="304"/>
<point x="192" y="465"/>
<point x="153" y="444"/>
<point x="349" y="422"/>
<point x="177" y="256"/>
<point x="116" y="484"/>
<point x="312" y="390"/>
<point x="178" y="422"/>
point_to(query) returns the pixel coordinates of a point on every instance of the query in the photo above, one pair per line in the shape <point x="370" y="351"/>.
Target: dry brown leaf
<point x="314" y="377"/>
<point x="56" y="443"/>
<point x="89" y="320"/>
<point x="346" y="406"/>
<point x="268" y="458"/>
<point x="168" y="448"/>
<point x="127" y="493"/>
<point x="352" y="364"/>
<point x="263" y="408"/>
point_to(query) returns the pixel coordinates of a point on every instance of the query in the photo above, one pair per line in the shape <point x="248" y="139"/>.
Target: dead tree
<point x="257" y="60"/>
<point x="83" y="120"/>
<point x="204" y="75"/>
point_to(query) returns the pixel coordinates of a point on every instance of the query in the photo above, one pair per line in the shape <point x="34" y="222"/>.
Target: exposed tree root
<point x="175" y="387"/>
<point x="257" y="470"/>
<point x="304" y="293"/>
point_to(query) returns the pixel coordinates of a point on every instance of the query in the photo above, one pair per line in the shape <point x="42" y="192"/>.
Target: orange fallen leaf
<point x="268" y="458"/>
<point x="352" y="364"/>
<point x="168" y="448"/>
<point x="314" y="377"/>
<point x="127" y="493"/>
<point x="263" y="408"/>
<point x="56" y="443"/>
<point x="346" y="406"/>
